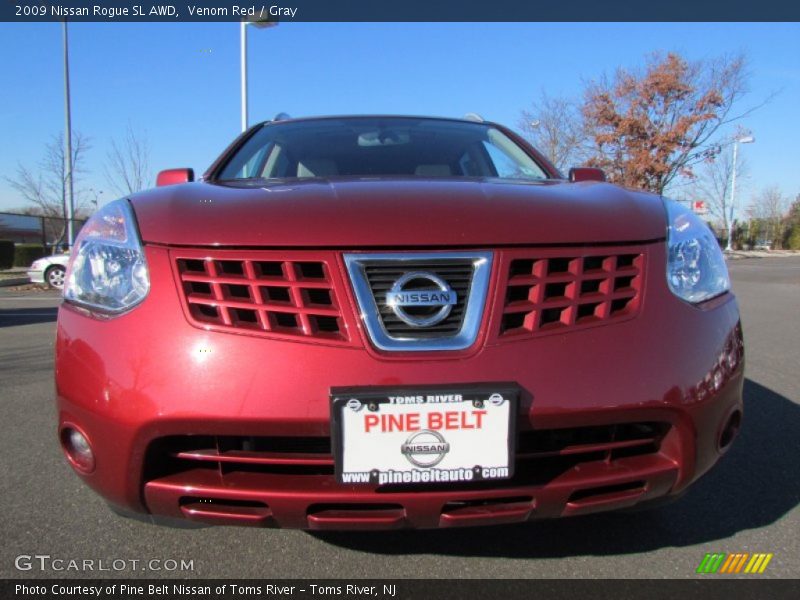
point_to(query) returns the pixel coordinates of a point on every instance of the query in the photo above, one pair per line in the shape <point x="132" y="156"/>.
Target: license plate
<point x="428" y="435"/>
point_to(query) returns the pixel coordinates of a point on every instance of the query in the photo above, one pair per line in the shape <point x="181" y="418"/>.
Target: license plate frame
<point x="398" y="447"/>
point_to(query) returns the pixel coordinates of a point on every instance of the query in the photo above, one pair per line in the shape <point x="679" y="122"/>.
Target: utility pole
<point x="243" y="69"/>
<point x="749" y="139"/>
<point x="68" y="183"/>
<point x="243" y="61"/>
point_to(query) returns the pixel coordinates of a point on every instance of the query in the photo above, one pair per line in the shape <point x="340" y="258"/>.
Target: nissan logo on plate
<point x="425" y="448"/>
<point x="421" y="299"/>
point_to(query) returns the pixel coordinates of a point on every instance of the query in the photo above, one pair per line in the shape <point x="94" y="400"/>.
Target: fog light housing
<point x="730" y="431"/>
<point x="77" y="449"/>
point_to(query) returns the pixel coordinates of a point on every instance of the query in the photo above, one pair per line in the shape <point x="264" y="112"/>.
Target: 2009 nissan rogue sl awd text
<point x="384" y="322"/>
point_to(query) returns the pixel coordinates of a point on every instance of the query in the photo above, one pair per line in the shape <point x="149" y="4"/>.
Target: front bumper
<point x="36" y="276"/>
<point x="132" y="382"/>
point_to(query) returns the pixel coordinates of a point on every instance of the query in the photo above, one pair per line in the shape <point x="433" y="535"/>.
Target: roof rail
<point x="473" y="117"/>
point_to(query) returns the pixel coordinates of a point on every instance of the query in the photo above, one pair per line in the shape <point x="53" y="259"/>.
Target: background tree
<point x="650" y="127"/>
<point x="791" y="232"/>
<point x="714" y="184"/>
<point x="768" y="210"/>
<point x="127" y="167"/>
<point x="555" y="127"/>
<point x="44" y="187"/>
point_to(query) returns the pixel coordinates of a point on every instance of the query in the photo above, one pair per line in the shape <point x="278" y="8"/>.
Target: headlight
<point x="108" y="271"/>
<point x="696" y="269"/>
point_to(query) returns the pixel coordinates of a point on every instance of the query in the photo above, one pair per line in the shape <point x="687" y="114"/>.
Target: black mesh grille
<point x="456" y="272"/>
<point x="541" y="455"/>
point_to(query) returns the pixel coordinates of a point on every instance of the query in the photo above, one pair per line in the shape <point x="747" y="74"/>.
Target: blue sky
<point x="179" y="83"/>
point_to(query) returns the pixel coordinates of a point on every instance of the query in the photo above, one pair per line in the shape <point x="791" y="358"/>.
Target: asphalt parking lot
<point x="748" y="503"/>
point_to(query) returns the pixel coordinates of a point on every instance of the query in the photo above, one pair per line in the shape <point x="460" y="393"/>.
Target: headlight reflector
<point x="108" y="271"/>
<point x="696" y="269"/>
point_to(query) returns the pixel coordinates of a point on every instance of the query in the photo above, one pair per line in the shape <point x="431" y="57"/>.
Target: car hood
<point x="55" y="259"/>
<point x="397" y="212"/>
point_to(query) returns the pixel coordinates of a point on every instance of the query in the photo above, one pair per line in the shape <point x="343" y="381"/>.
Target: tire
<point x="54" y="277"/>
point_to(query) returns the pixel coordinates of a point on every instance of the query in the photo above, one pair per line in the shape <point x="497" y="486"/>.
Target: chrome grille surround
<point x="420" y="339"/>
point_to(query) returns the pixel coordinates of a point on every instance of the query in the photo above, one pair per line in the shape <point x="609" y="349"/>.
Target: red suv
<point x="387" y="322"/>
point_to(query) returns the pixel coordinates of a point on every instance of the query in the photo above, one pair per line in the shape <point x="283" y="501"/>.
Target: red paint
<point x="396" y="213"/>
<point x="578" y="174"/>
<point x="174" y="176"/>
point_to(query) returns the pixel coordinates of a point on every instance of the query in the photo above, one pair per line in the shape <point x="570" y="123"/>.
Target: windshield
<point x="374" y="147"/>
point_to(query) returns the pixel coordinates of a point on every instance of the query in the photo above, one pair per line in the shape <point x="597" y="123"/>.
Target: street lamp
<point x="96" y="200"/>
<point x="748" y="139"/>
<point x="243" y="60"/>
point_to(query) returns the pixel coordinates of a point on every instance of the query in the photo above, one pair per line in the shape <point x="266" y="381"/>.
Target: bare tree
<point x="653" y="126"/>
<point x="127" y="166"/>
<point x="555" y="127"/>
<point x="44" y="188"/>
<point x="768" y="209"/>
<point x="714" y="184"/>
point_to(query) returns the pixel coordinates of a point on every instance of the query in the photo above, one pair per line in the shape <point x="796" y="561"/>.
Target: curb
<point x="14" y="281"/>
<point x="742" y="255"/>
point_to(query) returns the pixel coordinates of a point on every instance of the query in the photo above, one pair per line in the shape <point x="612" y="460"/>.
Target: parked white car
<point x="50" y="270"/>
<point x="763" y="245"/>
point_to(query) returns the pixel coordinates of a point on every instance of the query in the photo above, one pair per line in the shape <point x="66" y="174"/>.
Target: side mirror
<point x="577" y="174"/>
<point x="173" y="176"/>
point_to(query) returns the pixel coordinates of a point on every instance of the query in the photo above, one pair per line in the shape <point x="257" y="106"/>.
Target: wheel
<point x="54" y="276"/>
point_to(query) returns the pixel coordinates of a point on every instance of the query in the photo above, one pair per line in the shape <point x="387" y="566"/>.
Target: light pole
<point x="243" y="61"/>
<point x="68" y="183"/>
<point x="96" y="199"/>
<point x="748" y="139"/>
<point x="243" y="69"/>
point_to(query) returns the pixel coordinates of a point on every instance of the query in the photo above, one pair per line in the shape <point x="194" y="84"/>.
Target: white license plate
<point x="430" y="435"/>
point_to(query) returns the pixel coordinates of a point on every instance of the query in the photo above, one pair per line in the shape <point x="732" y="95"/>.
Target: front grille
<point x="458" y="275"/>
<point x="558" y="290"/>
<point x="261" y="293"/>
<point x="606" y="441"/>
<point x="542" y="455"/>
<point x="226" y="454"/>
<point x="439" y="298"/>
